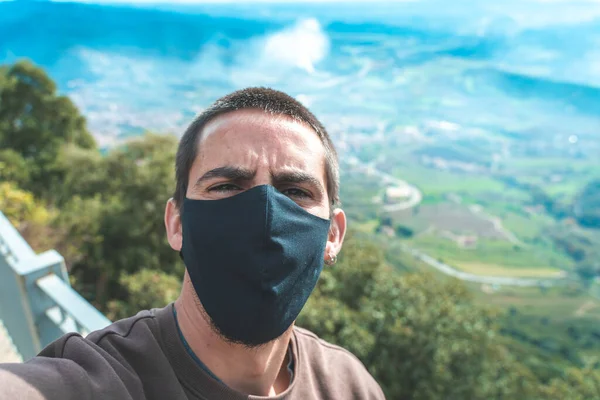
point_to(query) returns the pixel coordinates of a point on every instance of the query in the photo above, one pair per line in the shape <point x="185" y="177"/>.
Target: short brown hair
<point x="270" y="101"/>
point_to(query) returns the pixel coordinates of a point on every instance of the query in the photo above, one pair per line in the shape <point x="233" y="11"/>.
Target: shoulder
<point x="337" y="366"/>
<point x="128" y="344"/>
<point x="322" y="348"/>
<point x="143" y="323"/>
<point x="106" y="342"/>
<point x="102" y="365"/>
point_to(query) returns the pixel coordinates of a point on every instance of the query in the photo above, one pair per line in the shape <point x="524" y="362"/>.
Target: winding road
<point x="491" y="280"/>
<point x="387" y="179"/>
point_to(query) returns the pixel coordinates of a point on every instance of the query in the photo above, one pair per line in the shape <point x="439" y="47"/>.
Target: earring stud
<point x="331" y="260"/>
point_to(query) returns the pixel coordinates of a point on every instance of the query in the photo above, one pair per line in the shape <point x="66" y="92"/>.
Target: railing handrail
<point x="37" y="302"/>
<point x="87" y="318"/>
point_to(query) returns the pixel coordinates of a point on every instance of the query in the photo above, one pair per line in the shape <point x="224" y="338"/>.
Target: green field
<point x="527" y="228"/>
<point x="491" y="252"/>
<point x="436" y="182"/>
<point x="571" y="176"/>
<point x="367" y="226"/>
<point x="479" y="268"/>
<point x="562" y="303"/>
<point x="551" y="163"/>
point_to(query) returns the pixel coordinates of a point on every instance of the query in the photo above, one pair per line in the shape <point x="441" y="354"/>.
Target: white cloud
<point x="286" y="59"/>
<point x="301" y="46"/>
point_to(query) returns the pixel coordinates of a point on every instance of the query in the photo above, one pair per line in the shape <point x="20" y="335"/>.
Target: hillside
<point x="466" y="138"/>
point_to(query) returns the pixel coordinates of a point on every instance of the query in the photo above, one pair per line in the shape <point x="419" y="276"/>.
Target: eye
<point x="225" y="187"/>
<point x="297" y="193"/>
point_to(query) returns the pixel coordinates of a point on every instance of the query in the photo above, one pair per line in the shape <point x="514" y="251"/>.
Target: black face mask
<point x="254" y="260"/>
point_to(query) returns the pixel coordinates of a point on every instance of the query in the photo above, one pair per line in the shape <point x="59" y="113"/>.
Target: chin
<point x="246" y="344"/>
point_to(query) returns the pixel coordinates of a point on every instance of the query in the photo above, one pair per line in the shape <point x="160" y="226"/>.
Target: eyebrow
<point x="227" y="172"/>
<point x="297" y="177"/>
<point x="242" y="174"/>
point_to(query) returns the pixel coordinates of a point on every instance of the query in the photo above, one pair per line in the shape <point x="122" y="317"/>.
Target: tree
<point x="587" y="205"/>
<point x="35" y="122"/>
<point x="113" y="221"/>
<point x="111" y="206"/>
<point x="419" y="337"/>
<point x="90" y="177"/>
<point x="145" y="289"/>
<point x="28" y="215"/>
<point x="13" y="167"/>
<point x="588" y="270"/>
<point x="404" y="231"/>
<point x="574" y="242"/>
<point x="20" y="207"/>
<point x="577" y="384"/>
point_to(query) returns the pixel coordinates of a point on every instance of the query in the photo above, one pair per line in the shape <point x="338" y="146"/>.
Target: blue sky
<point x="283" y="1"/>
<point x="222" y="1"/>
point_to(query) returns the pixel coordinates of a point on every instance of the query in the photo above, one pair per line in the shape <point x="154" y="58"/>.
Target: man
<point x="254" y="219"/>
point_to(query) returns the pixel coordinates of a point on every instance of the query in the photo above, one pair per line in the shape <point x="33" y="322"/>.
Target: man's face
<point x="248" y="148"/>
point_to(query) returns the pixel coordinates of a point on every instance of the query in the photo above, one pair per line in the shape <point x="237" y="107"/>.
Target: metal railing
<point x="37" y="302"/>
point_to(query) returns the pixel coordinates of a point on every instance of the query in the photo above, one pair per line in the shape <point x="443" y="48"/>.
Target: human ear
<point x="337" y="231"/>
<point x="173" y="225"/>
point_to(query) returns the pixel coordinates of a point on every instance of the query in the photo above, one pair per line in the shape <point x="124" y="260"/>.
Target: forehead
<point x="255" y="137"/>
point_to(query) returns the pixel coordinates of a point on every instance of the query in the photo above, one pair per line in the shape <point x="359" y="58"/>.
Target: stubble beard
<point x="215" y="329"/>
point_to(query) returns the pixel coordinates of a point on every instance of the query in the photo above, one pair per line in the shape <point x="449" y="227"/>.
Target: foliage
<point x="538" y="196"/>
<point x="31" y="217"/>
<point x="110" y="219"/>
<point x="587" y="205"/>
<point x="145" y="289"/>
<point x="113" y="223"/>
<point x="421" y="339"/>
<point x="35" y="122"/>
<point x="89" y="179"/>
<point x="13" y="167"/>
<point x="588" y="271"/>
<point x="578" y="384"/>
<point x="404" y="231"/>
<point x="20" y="207"/>
<point x="582" y="246"/>
<point x="573" y="243"/>
<point x="78" y="224"/>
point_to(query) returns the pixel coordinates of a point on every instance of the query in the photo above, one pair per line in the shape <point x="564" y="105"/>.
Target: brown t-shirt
<point x="143" y="358"/>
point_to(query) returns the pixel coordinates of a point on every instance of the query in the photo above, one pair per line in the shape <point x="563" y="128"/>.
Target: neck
<point x="258" y="371"/>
